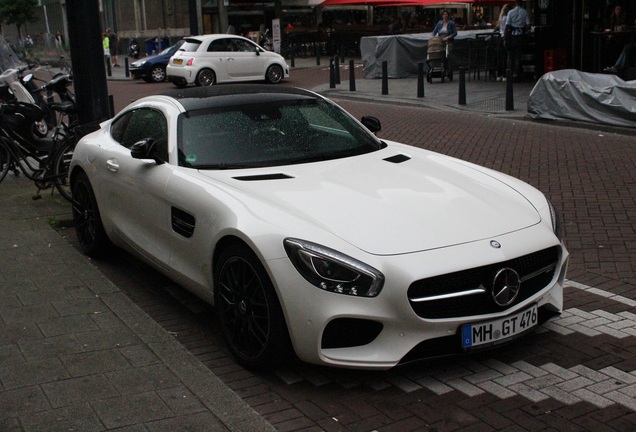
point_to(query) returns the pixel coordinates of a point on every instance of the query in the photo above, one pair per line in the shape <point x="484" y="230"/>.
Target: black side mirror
<point x="372" y="123"/>
<point x="146" y="149"/>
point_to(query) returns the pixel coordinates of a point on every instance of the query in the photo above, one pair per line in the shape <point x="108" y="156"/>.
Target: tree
<point x="18" y="12"/>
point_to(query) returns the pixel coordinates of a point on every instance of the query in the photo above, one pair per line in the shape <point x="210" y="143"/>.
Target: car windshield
<point x="270" y="134"/>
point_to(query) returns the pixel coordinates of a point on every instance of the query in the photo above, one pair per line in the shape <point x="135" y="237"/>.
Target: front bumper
<point x="385" y="331"/>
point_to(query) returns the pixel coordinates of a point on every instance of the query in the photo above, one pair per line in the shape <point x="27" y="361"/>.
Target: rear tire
<point x="87" y="220"/>
<point x="5" y="159"/>
<point x="248" y="309"/>
<point x="61" y="163"/>
<point x="206" y="77"/>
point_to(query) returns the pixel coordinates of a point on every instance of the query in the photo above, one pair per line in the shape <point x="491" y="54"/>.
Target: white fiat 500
<point x="310" y="234"/>
<point x="218" y="58"/>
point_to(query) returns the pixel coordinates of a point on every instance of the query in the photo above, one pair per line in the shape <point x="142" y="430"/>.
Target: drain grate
<point x="495" y="105"/>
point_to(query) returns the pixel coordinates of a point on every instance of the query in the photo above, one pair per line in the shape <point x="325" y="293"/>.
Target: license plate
<point x="499" y="330"/>
<point x="177" y="61"/>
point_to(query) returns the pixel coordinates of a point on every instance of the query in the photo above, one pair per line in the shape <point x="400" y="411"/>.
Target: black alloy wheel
<point x="248" y="309"/>
<point x="274" y="74"/>
<point x="88" y="223"/>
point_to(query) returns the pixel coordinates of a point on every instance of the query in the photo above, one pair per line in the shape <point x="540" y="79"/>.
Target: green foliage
<point x="18" y="12"/>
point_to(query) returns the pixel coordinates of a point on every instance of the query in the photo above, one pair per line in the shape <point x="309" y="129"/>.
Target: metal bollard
<point x="111" y="106"/>
<point x="126" y="67"/>
<point x="462" y="86"/>
<point x="385" y="78"/>
<point x="318" y="48"/>
<point x="292" y="54"/>
<point x="510" y="99"/>
<point x="109" y="71"/>
<point x="420" y="80"/>
<point x="332" y="74"/>
<point x="337" y="69"/>
<point x="352" y="76"/>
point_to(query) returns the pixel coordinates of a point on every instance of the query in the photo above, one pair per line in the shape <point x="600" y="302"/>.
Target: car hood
<point x="388" y="203"/>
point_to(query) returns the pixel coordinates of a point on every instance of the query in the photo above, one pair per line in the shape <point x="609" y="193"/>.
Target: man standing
<point x="113" y="42"/>
<point x="514" y="36"/>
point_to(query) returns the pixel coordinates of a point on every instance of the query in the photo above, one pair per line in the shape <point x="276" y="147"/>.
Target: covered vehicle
<point x="308" y="232"/>
<point x="570" y="94"/>
<point x="153" y="68"/>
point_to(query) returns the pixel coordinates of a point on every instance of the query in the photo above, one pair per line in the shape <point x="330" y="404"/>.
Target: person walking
<point x="514" y="36"/>
<point x="106" y="46"/>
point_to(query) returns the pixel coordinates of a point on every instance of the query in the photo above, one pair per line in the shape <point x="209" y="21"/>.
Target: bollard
<point x="420" y="80"/>
<point x="332" y="74"/>
<point x="318" y="55"/>
<point x="126" y="67"/>
<point x="352" y="76"/>
<point x="111" y="106"/>
<point x="385" y="79"/>
<point x="462" y="86"/>
<point x="292" y="54"/>
<point x="510" y="100"/>
<point x="337" y="69"/>
<point x="109" y="71"/>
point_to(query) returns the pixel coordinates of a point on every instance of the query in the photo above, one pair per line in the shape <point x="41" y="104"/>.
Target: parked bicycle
<point x="45" y="161"/>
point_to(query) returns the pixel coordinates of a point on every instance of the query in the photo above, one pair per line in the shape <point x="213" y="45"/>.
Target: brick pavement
<point x="576" y="373"/>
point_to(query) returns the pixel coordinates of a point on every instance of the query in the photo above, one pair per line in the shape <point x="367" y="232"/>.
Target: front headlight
<point x="332" y="271"/>
<point x="138" y="64"/>
<point x="556" y="220"/>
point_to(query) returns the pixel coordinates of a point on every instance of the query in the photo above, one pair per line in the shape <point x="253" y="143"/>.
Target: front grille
<point x="536" y="270"/>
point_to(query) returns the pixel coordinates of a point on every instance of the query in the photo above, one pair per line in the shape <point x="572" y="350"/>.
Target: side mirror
<point x="146" y="149"/>
<point x="372" y="123"/>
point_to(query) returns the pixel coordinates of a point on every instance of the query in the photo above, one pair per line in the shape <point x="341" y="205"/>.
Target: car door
<point x="245" y="62"/>
<point x="216" y="57"/>
<point x="136" y="188"/>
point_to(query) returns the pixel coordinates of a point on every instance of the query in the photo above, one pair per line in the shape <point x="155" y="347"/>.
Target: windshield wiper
<point x="225" y="166"/>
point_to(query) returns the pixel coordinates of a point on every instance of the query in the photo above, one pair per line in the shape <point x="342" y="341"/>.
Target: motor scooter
<point x="133" y="48"/>
<point x="25" y="89"/>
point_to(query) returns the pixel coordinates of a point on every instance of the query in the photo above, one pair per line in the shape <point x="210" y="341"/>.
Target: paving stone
<point x="131" y="409"/>
<point x="76" y="391"/>
<point x="32" y="373"/>
<point x="593" y="398"/>
<point x="144" y="379"/>
<point x="79" y="417"/>
<point x="22" y="400"/>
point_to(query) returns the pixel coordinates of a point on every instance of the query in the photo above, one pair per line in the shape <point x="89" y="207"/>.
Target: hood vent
<point x="398" y="158"/>
<point x="260" y="177"/>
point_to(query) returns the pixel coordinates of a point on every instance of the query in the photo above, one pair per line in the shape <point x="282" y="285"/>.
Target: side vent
<point x="398" y="158"/>
<point x="276" y="176"/>
<point x="182" y="222"/>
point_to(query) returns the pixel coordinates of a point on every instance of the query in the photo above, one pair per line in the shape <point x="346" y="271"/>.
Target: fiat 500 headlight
<point x="333" y="271"/>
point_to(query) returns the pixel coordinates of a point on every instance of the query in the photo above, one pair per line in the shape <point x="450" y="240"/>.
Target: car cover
<point x="581" y="96"/>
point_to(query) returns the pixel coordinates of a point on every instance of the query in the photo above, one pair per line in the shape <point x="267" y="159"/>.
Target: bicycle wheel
<point x="5" y="159"/>
<point x="61" y="163"/>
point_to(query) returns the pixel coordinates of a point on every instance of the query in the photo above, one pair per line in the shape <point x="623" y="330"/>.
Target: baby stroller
<point x="437" y="60"/>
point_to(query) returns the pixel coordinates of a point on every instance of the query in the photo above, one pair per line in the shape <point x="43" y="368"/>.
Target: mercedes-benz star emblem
<point x="505" y="286"/>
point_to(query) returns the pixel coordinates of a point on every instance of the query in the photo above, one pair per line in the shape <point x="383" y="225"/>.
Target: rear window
<point x="190" y="46"/>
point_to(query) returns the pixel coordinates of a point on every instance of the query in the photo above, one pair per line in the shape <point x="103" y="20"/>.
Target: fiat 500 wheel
<point x="206" y="77"/>
<point x="274" y="74"/>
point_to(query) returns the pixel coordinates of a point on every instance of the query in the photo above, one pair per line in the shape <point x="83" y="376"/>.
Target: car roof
<point x="194" y="98"/>
<point x="201" y="38"/>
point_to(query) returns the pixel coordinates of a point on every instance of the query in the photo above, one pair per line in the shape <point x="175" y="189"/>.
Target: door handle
<point x="112" y="165"/>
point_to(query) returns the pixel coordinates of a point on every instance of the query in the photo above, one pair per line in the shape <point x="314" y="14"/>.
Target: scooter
<point x="266" y="41"/>
<point x="24" y="89"/>
<point x="133" y="48"/>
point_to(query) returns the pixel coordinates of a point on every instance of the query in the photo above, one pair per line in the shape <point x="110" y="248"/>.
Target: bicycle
<point x="45" y="162"/>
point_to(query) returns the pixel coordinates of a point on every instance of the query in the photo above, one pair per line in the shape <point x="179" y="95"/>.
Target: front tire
<point x="158" y="74"/>
<point x="87" y="220"/>
<point x="206" y="77"/>
<point x="274" y="74"/>
<point x="248" y="309"/>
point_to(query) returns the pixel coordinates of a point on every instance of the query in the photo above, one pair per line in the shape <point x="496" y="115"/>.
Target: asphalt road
<point x="576" y="374"/>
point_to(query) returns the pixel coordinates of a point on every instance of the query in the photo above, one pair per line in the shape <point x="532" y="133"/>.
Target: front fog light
<point x="332" y="271"/>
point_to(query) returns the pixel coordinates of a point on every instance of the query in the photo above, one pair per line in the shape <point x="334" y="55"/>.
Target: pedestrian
<point x="113" y="43"/>
<point x="59" y="41"/>
<point x="106" y="46"/>
<point x="515" y="35"/>
<point x="502" y="54"/>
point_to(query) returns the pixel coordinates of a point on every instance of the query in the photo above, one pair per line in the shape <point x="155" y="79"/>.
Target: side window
<point x="219" y="45"/>
<point x="241" y="45"/>
<point x="146" y="123"/>
<point x="118" y="128"/>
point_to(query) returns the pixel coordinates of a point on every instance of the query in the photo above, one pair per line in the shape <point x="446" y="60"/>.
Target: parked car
<point x="308" y="232"/>
<point x="210" y="59"/>
<point x="153" y="68"/>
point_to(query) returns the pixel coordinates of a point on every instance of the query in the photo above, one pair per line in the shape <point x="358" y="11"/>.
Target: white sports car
<point x="307" y="232"/>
